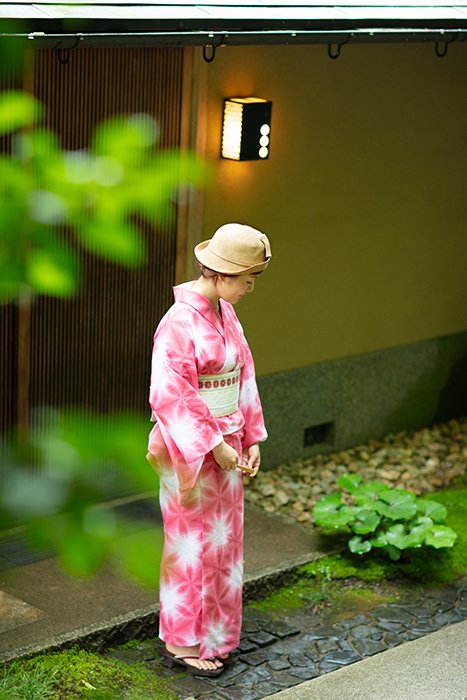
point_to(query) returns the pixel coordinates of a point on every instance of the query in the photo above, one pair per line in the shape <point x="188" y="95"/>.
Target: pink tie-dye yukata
<point x="202" y="505"/>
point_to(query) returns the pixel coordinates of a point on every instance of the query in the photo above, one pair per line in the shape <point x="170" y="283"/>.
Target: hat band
<point x="267" y="254"/>
<point x="234" y="262"/>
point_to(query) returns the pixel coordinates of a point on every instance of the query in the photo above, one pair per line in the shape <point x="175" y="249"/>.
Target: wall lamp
<point x="246" y="128"/>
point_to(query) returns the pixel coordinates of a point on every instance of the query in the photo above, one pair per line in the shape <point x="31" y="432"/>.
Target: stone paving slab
<point x="279" y="654"/>
<point x="109" y="608"/>
<point x="15" y="612"/>
<point x="430" y="668"/>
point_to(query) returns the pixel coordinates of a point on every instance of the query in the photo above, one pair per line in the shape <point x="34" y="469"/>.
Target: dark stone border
<point x="143" y="623"/>
<point x="275" y="654"/>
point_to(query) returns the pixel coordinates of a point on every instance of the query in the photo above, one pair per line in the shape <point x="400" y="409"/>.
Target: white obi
<point x="220" y="392"/>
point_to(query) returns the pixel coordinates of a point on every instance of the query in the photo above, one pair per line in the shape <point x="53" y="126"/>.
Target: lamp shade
<point x="246" y="128"/>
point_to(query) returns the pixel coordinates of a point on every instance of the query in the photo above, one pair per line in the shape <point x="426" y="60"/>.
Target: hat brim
<point x="224" y="267"/>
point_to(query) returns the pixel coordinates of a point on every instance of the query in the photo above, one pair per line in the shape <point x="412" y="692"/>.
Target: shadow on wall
<point x="438" y="394"/>
<point x="453" y="396"/>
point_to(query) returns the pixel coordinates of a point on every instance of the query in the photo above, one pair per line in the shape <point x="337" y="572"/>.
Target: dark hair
<point x="209" y="274"/>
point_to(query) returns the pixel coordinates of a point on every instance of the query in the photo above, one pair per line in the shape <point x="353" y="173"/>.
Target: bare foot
<point x="184" y="652"/>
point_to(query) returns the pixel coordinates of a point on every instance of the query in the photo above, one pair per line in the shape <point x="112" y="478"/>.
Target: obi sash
<point x="220" y="392"/>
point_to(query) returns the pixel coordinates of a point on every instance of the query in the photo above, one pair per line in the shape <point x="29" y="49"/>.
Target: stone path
<point x="277" y="653"/>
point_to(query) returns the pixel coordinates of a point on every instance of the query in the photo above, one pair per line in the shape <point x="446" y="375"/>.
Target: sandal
<point x="171" y="660"/>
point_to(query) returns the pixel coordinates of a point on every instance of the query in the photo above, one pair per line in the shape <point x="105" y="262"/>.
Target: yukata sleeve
<point x="187" y="426"/>
<point x="250" y="404"/>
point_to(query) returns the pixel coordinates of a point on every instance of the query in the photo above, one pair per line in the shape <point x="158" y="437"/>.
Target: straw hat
<point x="235" y="249"/>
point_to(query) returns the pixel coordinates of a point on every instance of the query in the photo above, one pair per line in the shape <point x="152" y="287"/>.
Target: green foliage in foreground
<point x="60" y="463"/>
<point x="77" y="674"/>
<point x="53" y="202"/>
<point x="379" y="517"/>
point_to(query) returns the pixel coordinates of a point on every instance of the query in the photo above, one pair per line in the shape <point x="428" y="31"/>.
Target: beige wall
<point x="364" y="196"/>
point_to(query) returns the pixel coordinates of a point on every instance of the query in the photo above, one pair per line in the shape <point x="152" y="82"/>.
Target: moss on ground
<point x="338" y="599"/>
<point x="328" y="579"/>
<point x="346" y="565"/>
<point x="355" y="601"/>
<point x="76" y="674"/>
<point x="293" y="596"/>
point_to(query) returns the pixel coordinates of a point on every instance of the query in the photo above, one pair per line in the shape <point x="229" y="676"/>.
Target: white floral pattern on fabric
<point x="186" y="547"/>
<point x="202" y="506"/>
<point x="216" y="635"/>
<point x="235" y="578"/>
<point x="192" y="339"/>
<point x="219" y="532"/>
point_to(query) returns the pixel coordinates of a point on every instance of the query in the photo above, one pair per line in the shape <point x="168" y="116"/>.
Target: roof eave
<point x="48" y="32"/>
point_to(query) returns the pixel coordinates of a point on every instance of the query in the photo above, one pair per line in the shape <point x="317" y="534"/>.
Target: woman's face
<point x="232" y="289"/>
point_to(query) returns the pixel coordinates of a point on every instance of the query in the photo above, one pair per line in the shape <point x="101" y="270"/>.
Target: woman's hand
<point x="252" y="459"/>
<point x="225" y="456"/>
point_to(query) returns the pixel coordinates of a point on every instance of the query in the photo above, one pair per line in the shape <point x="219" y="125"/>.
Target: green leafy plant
<point x="382" y="518"/>
<point x="58" y="462"/>
<point x="54" y="204"/>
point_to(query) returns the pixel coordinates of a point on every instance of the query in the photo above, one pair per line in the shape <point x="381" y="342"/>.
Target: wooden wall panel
<point x="94" y="350"/>
<point x="8" y="316"/>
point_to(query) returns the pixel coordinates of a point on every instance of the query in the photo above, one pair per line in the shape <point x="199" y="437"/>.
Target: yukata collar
<point x="187" y="295"/>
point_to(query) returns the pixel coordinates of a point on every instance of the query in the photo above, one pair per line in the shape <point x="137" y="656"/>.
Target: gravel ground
<point x="422" y="462"/>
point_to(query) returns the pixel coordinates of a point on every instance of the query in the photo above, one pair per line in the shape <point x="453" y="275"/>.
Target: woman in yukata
<point x="209" y="422"/>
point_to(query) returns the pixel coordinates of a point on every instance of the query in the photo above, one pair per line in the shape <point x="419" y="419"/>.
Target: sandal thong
<point x="171" y="660"/>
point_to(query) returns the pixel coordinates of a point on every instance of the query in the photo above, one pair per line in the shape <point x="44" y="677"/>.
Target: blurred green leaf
<point x="11" y="280"/>
<point x="113" y="239"/>
<point x="393" y="552"/>
<point x="331" y="513"/>
<point x="365" y="521"/>
<point x="349" y="482"/>
<point x="98" y="194"/>
<point x="47" y="207"/>
<point x="124" y="137"/>
<point x="441" y="536"/>
<point x="52" y="272"/>
<point x="15" y="185"/>
<point x="138" y="555"/>
<point x="80" y="552"/>
<point x="395" y="535"/>
<point x="368" y="492"/>
<point x="416" y="535"/>
<point x="396" y="504"/>
<point x="379" y="540"/>
<point x="113" y="439"/>
<point x="327" y="507"/>
<point x="436" y="511"/>
<point x="359" y="546"/>
<point x="31" y="494"/>
<point x="119" y="181"/>
<point x="100" y="522"/>
<point x="341" y="518"/>
<point x="17" y="109"/>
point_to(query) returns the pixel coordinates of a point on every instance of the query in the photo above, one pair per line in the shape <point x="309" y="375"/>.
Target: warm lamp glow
<point x="246" y="128"/>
